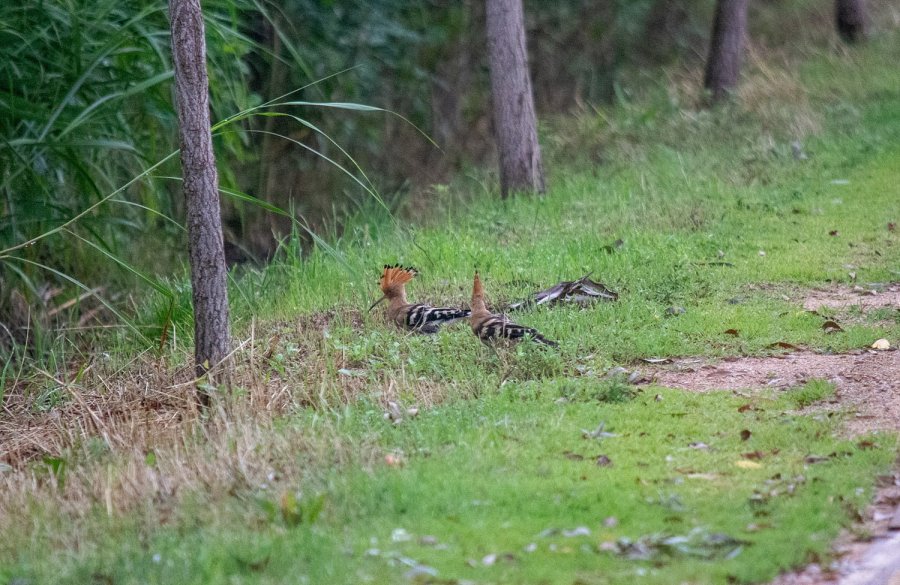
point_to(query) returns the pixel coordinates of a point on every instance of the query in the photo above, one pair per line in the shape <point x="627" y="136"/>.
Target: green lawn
<point x="495" y="481"/>
<point x="508" y="475"/>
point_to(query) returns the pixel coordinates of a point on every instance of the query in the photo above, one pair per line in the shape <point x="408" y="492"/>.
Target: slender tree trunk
<point x="515" y="124"/>
<point x="201" y="189"/>
<point x="852" y="22"/>
<point x="723" y="66"/>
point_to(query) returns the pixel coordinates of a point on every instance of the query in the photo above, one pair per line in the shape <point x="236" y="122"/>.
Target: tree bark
<point x="515" y="123"/>
<point x="201" y="189"/>
<point x="852" y="22"/>
<point x="723" y="66"/>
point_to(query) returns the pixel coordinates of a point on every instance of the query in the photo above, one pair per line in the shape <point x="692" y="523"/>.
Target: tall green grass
<point x="88" y="157"/>
<point x="86" y="121"/>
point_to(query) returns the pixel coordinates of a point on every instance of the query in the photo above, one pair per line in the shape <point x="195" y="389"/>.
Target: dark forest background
<point x="88" y="125"/>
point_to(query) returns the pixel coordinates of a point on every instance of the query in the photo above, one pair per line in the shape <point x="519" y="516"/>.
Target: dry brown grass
<point x="133" y="439"/>
<point x="771" y="90"/>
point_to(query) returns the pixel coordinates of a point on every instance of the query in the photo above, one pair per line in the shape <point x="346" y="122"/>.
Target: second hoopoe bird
<point x="491" y="328"/>
<point x="417" y="317"/>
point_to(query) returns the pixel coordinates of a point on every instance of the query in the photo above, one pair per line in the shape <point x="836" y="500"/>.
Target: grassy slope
<point x="488" y="475"/>
<point x="683" y="187"/>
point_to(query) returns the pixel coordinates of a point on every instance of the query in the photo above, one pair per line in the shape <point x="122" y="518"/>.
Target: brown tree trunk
<point x="852" y="22"/>
<point x="723" y="66"/>
<point x="515" y="124"/>
<point x="201" y="189"/>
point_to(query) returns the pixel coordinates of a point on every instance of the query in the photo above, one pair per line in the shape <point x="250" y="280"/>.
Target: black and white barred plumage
<point x="417" y="317"/>
<point x="491" y="328"/>
<point x="426" y="319"/>
<point x="497" y="327"/>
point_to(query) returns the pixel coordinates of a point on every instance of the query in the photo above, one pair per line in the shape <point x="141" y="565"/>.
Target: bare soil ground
<point x="867" y="387"/>
<point x="844" y="297"/>
<point x="867" y="381"/>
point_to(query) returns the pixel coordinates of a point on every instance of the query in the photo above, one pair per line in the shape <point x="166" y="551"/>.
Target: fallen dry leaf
<point x="400" y="535"/>
<point x="833" y="233"/>
<point x="603" y="461"/>
<point x="392" y="460"/>
<point x="419" y="573"/>
<point x="745" y="407"/>
<point x="815" y="459"/>
<point x="783" y="345"/>
<point x="598" y="433"/>
<point x="610" y="248"/>
<point x="734" y="332"/>
<point x="756" y="455"/>
<point x="698" y="543"/>
<point x="894" y="524"/>
<point x="831" y="327"/>
<point x="745" y="434"/>
<point x="706" y="476"/>
<point x="747" y="464"/>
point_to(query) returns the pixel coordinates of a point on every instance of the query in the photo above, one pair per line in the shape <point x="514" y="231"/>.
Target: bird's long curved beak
<point x="378" y="302"/>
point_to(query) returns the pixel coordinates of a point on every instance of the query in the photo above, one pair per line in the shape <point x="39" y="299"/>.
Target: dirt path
<point x="873" y="562"/>
<point x="845" y="297"/>
<point x="867" y="386"/>
<point x="867" y="382"/>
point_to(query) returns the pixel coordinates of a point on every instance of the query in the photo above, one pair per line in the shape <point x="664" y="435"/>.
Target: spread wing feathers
<point x="496" y="328"/>
<point x="582" y="292"/>
<point x="427" y="319"/>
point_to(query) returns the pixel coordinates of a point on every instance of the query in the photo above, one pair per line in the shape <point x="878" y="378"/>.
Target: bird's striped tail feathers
<point x="538" y="338"/>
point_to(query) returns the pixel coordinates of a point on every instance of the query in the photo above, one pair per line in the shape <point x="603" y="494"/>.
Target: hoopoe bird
<point x="417" y="317"/>
<point x="492" y="328"/>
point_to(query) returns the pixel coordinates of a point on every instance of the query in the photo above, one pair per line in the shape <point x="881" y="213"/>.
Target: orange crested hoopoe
<point x="417" y="317"/>
<point x="491" y="328"/>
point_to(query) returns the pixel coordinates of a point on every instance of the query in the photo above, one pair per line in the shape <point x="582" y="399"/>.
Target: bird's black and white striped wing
<point x="498" y="328"/>
<point x="426" y="319"/>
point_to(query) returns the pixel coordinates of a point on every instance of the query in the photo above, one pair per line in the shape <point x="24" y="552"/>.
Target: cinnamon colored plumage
<point x="417" y="317"/>
<point x="491" y="328"/>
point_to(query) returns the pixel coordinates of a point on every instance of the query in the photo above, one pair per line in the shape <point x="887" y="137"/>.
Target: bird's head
<point x="393" y="282"/>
